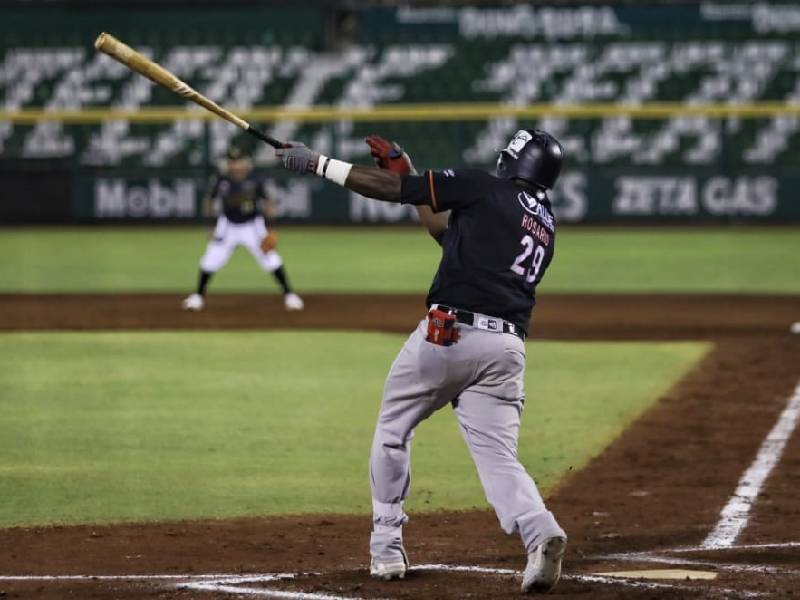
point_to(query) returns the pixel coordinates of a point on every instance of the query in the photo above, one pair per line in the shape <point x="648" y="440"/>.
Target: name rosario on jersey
<point x="539" y="232"/>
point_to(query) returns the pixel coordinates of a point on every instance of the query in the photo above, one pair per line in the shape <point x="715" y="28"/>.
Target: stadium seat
<point x="246" y="65"/>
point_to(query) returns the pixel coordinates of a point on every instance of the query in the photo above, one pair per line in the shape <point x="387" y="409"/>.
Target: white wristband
<point x="335" y="170"/>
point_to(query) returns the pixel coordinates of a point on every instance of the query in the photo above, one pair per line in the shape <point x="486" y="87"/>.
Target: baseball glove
<point x="270" y="242"/>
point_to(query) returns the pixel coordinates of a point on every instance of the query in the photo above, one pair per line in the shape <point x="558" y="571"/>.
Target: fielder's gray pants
<point x="483" y="373"/>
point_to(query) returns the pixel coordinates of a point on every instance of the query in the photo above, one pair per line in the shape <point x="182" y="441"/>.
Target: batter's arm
<point x="385" y="185"/>
<point x="373" y="182"/>
<point x="367" y="181"/>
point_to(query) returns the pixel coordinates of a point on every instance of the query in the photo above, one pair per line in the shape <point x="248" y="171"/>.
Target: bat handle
<point x="264" y="137"/>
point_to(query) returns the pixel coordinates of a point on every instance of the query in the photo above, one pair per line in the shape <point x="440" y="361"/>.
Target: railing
<point x="459" y="111"/>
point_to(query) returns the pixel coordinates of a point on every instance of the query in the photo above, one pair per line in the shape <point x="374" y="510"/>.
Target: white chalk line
<point x="662" y="558"/>
<point x="735" y="547"/>
<point x="229" y="583"/>
<point x="627" y="582"/>
<point x="230" y="587"/>
<point x="694" y="549"/>
<point x="236" y="583"/>
<point x="466" y="569"/>
<point x="128" y="577"/>
<point x="735" y="514"/>
<point x="665" y="556"/>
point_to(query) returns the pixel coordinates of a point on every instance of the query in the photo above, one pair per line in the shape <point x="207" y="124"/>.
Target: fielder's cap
<point x="234" y="153"/>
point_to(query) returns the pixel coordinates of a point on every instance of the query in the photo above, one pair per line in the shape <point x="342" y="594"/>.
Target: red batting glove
<point x="388" y="155"/>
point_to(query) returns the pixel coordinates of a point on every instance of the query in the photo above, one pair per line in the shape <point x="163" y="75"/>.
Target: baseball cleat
<point x="388" y="571"/>
<point x="193" y="302"/>
<point x="389" y="558"/>
<point x="293" y="302"/>
<point x="544" y="566"/>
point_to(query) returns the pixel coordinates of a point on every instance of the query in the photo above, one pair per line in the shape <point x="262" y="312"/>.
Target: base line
<point x="735" y="514"/>
<point x="664" y="558"/>
<point x="237" y="584"/>
<point x="134" y="577"/>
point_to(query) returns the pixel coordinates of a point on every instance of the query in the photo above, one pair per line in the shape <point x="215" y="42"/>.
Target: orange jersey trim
<point x="434" y="203"/>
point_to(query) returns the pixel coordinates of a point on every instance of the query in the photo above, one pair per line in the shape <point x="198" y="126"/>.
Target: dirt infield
<point x="566" y="316"/>
<point x="649" y="501"/>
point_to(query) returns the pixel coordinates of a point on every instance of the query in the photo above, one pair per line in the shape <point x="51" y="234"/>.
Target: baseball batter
<point x="238" y="199"/>
<point x="497" y="235"/>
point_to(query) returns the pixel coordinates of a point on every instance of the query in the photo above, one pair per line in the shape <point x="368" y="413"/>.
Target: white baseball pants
<point x="483" y="374"/>
<point x="228" y="235"/>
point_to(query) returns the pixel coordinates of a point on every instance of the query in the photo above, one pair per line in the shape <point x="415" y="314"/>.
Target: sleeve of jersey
<point x="444" y="190"/>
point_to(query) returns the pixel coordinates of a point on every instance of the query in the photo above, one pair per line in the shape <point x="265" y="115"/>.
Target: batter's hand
<point x="298" y="157"/>
<point x="270" y="242"/>
<point x="389" y="155"/>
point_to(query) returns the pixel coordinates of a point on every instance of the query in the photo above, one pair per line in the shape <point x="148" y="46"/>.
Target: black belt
<point x="468" y="318"/>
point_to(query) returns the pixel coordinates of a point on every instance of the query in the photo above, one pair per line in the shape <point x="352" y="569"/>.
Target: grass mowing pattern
<point x="103" y="427"/>
<point x="353" y="260"/>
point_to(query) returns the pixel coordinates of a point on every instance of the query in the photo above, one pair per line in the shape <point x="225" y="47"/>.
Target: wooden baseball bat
<point x="135" y="61"/>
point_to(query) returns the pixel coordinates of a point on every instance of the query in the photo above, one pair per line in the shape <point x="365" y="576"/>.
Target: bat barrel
<point x="100" y="41"/>
<point x="135" y="61"/>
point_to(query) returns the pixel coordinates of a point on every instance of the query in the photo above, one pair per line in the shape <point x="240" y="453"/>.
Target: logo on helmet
<point x="518" y="142"/>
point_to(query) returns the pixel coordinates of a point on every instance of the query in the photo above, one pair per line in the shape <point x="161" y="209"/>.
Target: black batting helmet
<point x="532" y="155"/>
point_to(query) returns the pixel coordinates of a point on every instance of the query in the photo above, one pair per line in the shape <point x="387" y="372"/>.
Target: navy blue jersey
<point x="498" y="245"/>
<point x="239" y="201"/>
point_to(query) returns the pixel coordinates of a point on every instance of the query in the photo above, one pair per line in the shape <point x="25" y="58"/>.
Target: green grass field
<point x="106" y="259"/>
<point x="103" y="427"/>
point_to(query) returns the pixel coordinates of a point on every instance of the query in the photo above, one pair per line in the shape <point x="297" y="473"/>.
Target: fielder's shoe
<point x="193" y="302"/>
<point x="293" y="302"/>
<point x="389" y="560"/>
<point x="544" y="566"/>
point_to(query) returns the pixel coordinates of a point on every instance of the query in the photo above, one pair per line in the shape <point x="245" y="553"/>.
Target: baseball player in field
<point x="497" y="234"/>
<point x="239" y="200"/>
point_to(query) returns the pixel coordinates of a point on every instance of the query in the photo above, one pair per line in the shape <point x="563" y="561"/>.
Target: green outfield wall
<point x="583" y="197"/>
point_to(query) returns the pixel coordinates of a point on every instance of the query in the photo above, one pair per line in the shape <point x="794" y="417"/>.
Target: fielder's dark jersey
<point x="239" y="201"/>
<point x="499" y="242"/>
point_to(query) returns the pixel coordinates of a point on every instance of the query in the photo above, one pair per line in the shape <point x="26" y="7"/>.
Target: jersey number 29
<point x="538" y="251"/>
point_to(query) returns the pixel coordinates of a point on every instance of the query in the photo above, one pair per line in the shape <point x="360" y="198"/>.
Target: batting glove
<point x="298" y="157"/>
<point x="389" y="155"/>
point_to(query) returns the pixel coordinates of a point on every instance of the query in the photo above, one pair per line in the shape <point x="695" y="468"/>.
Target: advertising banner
<point x="582" y="196"/>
